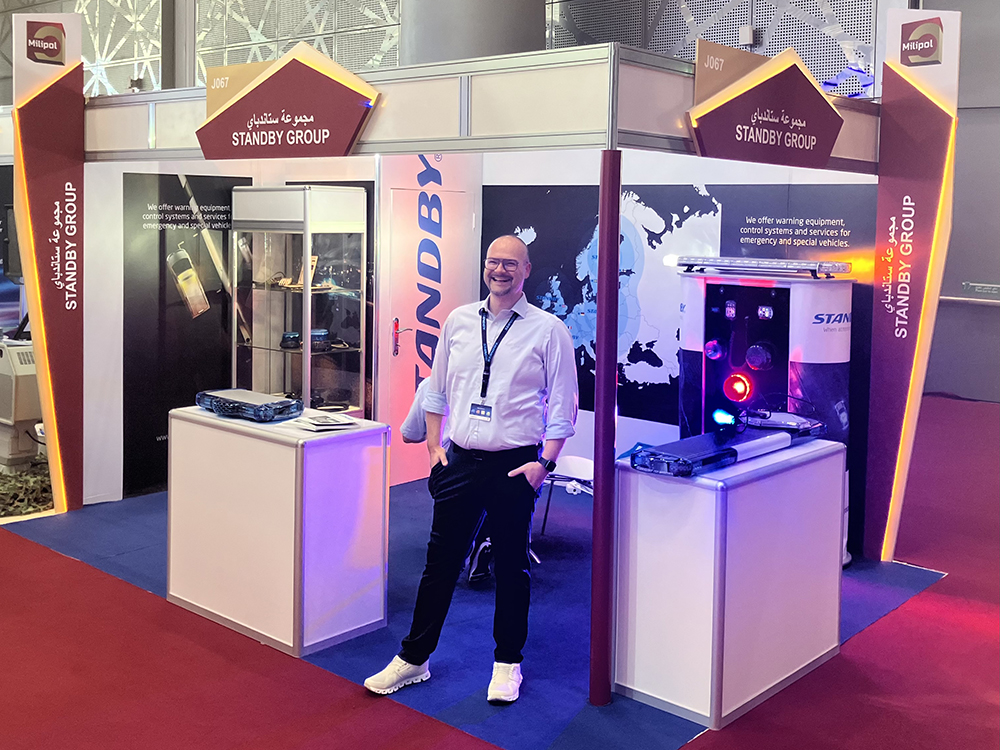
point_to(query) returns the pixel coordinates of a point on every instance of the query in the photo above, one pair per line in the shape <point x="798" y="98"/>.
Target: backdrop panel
<point x="177" y="309"/>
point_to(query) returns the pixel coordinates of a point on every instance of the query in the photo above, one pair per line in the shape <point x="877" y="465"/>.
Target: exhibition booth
<point x="192" y="276"/>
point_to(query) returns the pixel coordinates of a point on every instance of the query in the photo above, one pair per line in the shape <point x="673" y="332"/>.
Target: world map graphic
<point x="559" y="225"/>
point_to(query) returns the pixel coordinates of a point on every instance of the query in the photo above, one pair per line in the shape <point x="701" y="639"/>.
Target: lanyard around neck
<point x="489" y="353"/>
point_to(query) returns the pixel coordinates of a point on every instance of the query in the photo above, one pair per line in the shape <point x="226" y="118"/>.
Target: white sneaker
<point x="506" y="682"/>
<point x="397" y="674"/>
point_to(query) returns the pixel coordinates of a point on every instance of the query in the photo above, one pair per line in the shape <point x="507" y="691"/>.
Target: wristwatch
<point x="550" y="466"/>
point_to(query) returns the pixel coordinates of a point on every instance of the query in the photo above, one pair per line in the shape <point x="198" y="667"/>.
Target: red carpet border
<point x="88" y="661"/>
<point x="927" y="674"/>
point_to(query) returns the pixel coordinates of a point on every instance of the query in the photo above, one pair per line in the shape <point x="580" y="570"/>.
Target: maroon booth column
<point x="605" y="403"/>
<point x="916" y="155"/>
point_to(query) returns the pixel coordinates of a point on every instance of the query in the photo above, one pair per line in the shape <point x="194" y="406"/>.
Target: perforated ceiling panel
<point x="122" y="38"/>
<point x="299" y="18"/>
<point x="833" y="37"/>
<point x="121" y="41"/>
<point x="724" y="27"/>
<point x="358" y="34"/>
<point x="365" y="14"/>
<point x="675" y="26"/>
<point x="559" y="31"/>
<point x="588" y="21"/>
<point x="371" y="48"/>
<point x="249" y="53"/>
<point x="669" y="30"/>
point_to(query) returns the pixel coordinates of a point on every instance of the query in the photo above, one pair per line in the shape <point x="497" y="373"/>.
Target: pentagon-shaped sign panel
<point x="776" y="114"/>
<point x="305" y="105"/>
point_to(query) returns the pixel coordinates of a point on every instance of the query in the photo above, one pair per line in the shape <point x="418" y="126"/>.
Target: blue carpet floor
<point x="128" y="540"/>
<point x="871" y="590"/>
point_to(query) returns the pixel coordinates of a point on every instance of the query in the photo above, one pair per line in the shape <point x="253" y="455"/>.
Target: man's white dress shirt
<point x="532" y="390"/>
<point x="414" y="427"/>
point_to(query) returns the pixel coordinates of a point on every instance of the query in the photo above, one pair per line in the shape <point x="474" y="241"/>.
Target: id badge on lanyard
<point x="483" y="411"/>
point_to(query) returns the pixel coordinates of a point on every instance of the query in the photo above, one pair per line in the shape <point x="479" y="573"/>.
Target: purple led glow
<point x="714" y="350"/>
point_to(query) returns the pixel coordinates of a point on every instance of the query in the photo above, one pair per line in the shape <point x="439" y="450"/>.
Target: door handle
<point x="396" y="330"/>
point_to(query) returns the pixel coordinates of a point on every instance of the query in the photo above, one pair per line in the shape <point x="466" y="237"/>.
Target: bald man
<point x="505" y="375"/>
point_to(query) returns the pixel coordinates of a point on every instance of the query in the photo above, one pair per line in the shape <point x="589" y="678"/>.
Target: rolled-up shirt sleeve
<point x="560" y="378"/>
<point x="414" y="427"/>
<point x="435" y="398"/>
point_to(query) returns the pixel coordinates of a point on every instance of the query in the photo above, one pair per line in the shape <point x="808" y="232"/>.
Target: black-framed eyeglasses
<point x="508" y="264"/>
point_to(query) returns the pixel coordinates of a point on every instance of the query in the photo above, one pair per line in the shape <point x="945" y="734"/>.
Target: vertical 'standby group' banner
<point x="48" y="208"/>
<point x="916" y="173"/>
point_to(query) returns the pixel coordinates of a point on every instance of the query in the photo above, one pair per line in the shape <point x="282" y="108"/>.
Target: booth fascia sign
<point x="48" y="208"/>
<point x="303" y="105"/>
<point x="776" y="113"/>
<point x="918" y="124"/>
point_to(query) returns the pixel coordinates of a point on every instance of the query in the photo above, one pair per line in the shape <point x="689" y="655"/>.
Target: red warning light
<point x="737" y="387"/>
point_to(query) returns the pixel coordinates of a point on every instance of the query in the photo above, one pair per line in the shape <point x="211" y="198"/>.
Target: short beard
<point x="503" y="293"/>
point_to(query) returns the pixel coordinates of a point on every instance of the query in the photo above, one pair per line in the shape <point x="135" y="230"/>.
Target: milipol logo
<point x="920" y="42"/>
<point x="46" y="42"/>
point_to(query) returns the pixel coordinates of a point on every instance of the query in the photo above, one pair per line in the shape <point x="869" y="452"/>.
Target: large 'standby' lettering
<point x="431" y="300"/>
<point x="429" y="208"/>
<point x="428" y="251"/>
<point x="430" y="220"/>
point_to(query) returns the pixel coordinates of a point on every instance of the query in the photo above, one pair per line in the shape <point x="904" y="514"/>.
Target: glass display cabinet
<point x="299" y="318"/>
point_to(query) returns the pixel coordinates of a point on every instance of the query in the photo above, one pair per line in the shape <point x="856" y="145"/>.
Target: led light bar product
<point x="243" y="404"/>
<point x="713" y="450"/>
<point x="775" y="265"/>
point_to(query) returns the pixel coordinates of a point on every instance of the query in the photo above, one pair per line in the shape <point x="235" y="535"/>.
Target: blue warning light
<point x="723" y="417"/>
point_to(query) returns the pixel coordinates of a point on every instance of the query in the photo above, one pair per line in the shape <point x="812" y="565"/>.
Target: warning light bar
<point x="770" y="265"/>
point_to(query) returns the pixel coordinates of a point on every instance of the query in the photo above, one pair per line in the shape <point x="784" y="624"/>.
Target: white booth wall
<point x="398" y="234"/>
<point x="104" y="345"/>
<point x="103" y="314"/>
<point x="658" y="284"/>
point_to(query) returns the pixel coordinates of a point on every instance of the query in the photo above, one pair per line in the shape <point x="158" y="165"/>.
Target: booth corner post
<point x="605" y="403"/>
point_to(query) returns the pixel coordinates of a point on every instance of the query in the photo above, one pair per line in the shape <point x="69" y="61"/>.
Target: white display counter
<point x="277" y="532"/>
<point x="728" y="583"/>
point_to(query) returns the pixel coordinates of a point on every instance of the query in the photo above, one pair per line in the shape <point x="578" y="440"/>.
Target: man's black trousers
<point x="474" y="481"/>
